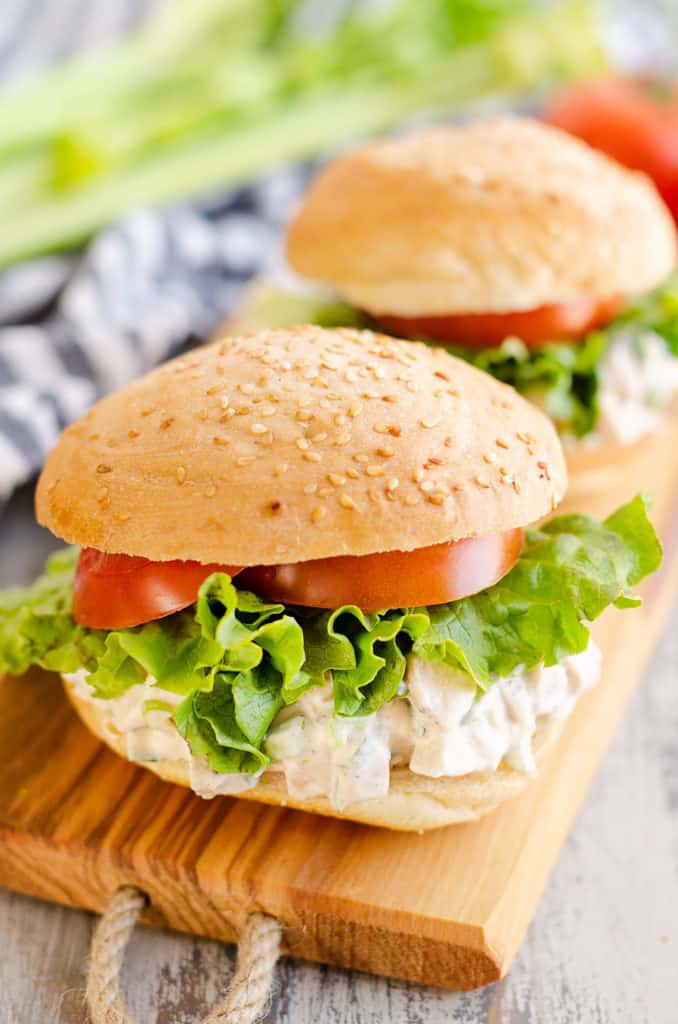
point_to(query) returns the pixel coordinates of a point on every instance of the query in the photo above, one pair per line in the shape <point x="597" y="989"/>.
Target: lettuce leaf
<point x="36" y="627"/>
<point x="571" y="569"/>
<point x="238" y="660"/>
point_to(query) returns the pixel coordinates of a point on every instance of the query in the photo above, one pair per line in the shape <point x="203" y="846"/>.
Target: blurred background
<point x="151" y="152"/>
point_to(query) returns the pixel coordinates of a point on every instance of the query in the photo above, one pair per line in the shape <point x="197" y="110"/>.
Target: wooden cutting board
<point x="446" y="908"/>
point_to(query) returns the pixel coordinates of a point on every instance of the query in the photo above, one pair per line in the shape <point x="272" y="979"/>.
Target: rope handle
<point x="246" y="998"/>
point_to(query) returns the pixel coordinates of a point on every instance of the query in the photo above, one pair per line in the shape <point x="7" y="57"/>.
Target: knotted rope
<point x="246" y="998"/>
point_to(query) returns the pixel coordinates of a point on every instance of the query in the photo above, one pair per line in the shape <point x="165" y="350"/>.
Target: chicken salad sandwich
<point x="306" y="571"/>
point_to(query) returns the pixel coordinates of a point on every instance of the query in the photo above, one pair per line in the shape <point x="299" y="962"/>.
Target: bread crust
<point x="414" y="803"/>
<point x="298" y="444"/>
<point x="493" y="216"/>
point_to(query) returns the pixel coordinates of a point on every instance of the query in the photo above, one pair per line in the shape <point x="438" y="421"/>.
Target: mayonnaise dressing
<point x="439" y="728"/>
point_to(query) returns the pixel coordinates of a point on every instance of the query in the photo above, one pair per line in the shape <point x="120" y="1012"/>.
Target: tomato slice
<point x="563" y="321"/>
<point x="117" y="591"/>
<point x="633" y="121"/>
<point x="391" y="579"/>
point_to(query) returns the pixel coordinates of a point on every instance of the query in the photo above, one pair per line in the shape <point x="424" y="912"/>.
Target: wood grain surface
<point x="448" y="908"/>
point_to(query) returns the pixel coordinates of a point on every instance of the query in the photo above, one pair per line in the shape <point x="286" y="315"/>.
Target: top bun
<point x="297" y="444"/>
<point x="494" y="216"/>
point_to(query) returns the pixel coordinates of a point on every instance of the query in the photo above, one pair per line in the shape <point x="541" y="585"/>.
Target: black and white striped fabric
<point x="146" y="288"/>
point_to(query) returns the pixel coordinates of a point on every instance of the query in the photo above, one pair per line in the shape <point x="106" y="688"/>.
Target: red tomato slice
<point x="634" y="122"/>
<point x="116" y="591"/>
<point x="391" y="579"/>
<point x="563" y="321"/>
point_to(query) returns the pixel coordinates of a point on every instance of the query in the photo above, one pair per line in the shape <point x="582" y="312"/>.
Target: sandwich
<point x="521" y="249"/>
<point x="303" y="572"/>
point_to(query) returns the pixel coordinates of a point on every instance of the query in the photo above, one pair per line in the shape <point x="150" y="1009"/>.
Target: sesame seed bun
<point x="414" y="803"/>
<point x="494" y="216"/>
<point x="298" y="444"/>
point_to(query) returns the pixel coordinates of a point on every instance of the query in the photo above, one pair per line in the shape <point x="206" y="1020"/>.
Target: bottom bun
<point x="413" y="803"/>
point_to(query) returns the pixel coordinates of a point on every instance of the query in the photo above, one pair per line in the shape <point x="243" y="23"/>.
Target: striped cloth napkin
<point x="72" y="330"/>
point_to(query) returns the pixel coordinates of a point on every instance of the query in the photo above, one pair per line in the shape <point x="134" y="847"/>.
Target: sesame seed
<point x="411" y="499"/>
<point x="490" y="457"/>
<point x="258" y="428"/>
<point x="361" y="458"/>
<point x="436" y="499"/>
<point x="525" y="438"/>
<point x="303" y="443"/>
<point x="310" y="456"/>
<point x="374" y="471"/>
<point x="303" y="402"/>
<point x="482" y="481"/>
<point x="336" y="479"/>
<point x="433" y="460"/>
<point x="310" y="488"/>
<point x="281" y="468"/>
<point x="394" y="431"/>
<point x="214" y="389"/>
<point x="353" y="409"/>
<point x="389" y="398"/>
<point x="443" y="376"/>
<point x="346" y="501"/>
<point x="181" y="474"/>
<point x="545" y="466"/>
<point x="501" y="444"/>
<point x="448" y="442"/>
<point x="244" y="460"/>
<point x="103" y="468"/>
<point x="426" y="485"/>
<point x="351" y="376"/>
<point x="340" y="419"/>
<point x="267" y="410"/>
<point x="353" y="474"/>
<point x="243" y="410"/>
<point x="516" y="487"/>
<point x="411" y="386"/>
<point x="220" y="440"/>
<point x="275" y="506"/>
<point x="342" y="439"/>
<point x="303" y="415"/>
<point x="370" y="394"/>
<point x="453" y="392"/>
<point x="386" y="451"/>
<point x="201" y="415"/>
<point x="324" y="492"/>
<point x="318" y="513"/>
<point x="417" y="476"/>
<point x="246" y="388"/>
<point x="393" y="484"/>
<point x="130" y="433"/>
<point x="321" y="436"/>
<point x="428" y="424"/>
<point x="379" y="373"/>
<point x="166" y="424"/>
<point x="374" y="496"/>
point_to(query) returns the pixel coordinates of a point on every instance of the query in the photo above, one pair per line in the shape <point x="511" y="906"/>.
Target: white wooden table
<point x="603" y="948"/>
